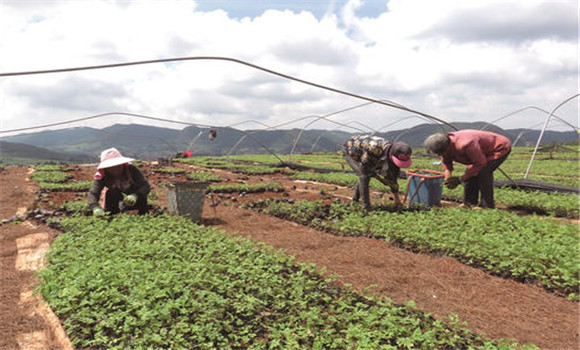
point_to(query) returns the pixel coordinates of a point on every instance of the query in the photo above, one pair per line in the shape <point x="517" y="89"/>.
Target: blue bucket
<point x="425" y="187"/>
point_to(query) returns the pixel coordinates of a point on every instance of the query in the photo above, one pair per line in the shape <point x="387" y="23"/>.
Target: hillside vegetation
<point x="150" y="143"/>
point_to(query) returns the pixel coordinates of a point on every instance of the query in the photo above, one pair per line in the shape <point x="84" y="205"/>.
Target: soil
<point x="21" y="326"/>
<point x="499" y="308"/>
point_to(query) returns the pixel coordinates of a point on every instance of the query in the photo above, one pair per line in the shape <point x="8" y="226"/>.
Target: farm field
<point x="526" y="290"/>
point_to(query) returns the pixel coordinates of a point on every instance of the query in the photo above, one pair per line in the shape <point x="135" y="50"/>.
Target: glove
<point x="98" y="211"/>
<point x="130" y="200"/>
<point x="452" y="182"/>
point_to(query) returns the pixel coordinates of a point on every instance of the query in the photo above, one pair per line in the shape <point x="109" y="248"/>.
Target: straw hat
<point x="111" y="157"/>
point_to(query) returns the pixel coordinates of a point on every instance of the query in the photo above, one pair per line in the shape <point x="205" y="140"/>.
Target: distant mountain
<point x="133" y="140"/>
<point x="149" y="142"/>
<point x="18" y="151"/>
<point x="523" y="137"/>
<point x="415" y="136"/>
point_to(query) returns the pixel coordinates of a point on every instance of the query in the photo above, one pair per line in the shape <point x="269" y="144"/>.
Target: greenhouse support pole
<point x="542" y="133"/>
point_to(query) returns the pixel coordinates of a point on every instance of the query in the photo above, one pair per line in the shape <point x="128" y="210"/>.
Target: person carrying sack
<point x="124" y="185"/>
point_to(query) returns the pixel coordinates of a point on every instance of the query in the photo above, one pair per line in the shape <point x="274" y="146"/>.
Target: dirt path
<point x="24" y="324"/>
<point x="497" y="307"/>
<point x="442" y="286"/>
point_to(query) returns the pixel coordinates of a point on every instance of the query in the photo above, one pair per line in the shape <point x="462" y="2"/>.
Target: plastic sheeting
<point x="532" y="185"/>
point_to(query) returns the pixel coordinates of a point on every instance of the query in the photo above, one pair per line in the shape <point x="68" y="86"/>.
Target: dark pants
<point x="482" y="183"/>
<point x="113" y="197"/>
<point x="361" y="188"/>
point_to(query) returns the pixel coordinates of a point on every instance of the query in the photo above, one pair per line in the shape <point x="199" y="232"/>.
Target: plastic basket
<point x="424" y="187"/>
<point x="186" y="198"/>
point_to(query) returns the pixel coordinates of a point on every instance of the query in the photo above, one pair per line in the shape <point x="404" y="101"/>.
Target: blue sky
<point x="454" y="59"/>
<point x="240" y="9"/>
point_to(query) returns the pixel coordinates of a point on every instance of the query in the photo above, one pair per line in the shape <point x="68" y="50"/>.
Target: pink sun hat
<point x="111" y="157"/>
<point x="401" y="154"/>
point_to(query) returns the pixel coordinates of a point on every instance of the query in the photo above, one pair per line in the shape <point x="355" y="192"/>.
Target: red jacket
<point x="474" y="148"/>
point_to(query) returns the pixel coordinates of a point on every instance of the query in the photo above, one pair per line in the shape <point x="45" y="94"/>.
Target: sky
<point x="511" y="62"/>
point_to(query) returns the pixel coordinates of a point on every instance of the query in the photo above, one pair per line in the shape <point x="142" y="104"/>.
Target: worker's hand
<point x="98" y="211"/>
<point x="130" y="200"/>
<point x="452" y="182"/>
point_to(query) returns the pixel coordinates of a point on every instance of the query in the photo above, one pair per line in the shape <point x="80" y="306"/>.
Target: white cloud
<point x="457" y="60"/>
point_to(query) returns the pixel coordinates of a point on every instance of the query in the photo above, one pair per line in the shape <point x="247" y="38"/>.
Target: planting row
<point x="554" y="204"/>
<point x="529" y="249"/>
<point x="144" y="282"/>
<point x="561" y="169"/>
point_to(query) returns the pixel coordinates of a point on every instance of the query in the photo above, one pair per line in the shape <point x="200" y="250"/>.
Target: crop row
<point x="170" y="170"/>
<point x="562" y="169"/>
<point x="238" y="166"/>
<point x="247" y="188"/>
<point x="551" y="170"/>
<point x="528" y="249"/>
<point x="202" y="176"/>
<point x="76" y="186"/>
<point x="554" y="204"/>
<point x="54" y="176"/>
<point x="48" y="167"/>
<point x="144" y="282"/>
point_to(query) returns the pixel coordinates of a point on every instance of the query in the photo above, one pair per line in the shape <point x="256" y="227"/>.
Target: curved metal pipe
<point x="283" y="124"/>
<point x="150" y="118"/>
<point x="229" y="59"/>
<point x="542" y="132"/>
<point x="323" y="117"/>
<point x="527" y="131"/>
<point x="346" y="124"/>
<point x="523" y="109"/>
<point x="404" y="118"/>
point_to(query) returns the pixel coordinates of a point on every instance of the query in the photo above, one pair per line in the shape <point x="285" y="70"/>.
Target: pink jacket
<point x="474" y="148"/>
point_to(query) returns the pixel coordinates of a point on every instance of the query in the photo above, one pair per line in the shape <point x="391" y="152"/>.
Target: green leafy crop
<point x="530" y="249"/>
<point x="248" y="188"/>
<point x="141" y="282"/>
<point x="203" y="176"/>
<point x="47" y="167"/>
<point x="53" y="176"/>
<point x="77" y="186"/>
<point x="171" y="170"/>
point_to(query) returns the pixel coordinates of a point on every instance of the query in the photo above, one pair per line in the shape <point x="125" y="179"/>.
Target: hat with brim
<point x="112" y="157"/>
<point x="401" y="154"/>
<point x="400" y="162"/>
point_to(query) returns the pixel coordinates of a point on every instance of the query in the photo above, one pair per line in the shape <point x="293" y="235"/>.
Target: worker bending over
<point x="373" y="156"/>
<point x="481" y="151"/>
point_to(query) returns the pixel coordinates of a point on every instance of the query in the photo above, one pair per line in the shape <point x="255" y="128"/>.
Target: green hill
<point x="19" y="153"/>
<point x="150" y="142"/>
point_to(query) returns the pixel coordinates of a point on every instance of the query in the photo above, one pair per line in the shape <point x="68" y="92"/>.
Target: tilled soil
<point x="498" y="307"/>
<point x="21" y="326"/>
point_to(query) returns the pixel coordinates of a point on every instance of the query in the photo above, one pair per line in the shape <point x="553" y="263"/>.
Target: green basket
<point x="186" y="198"/>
